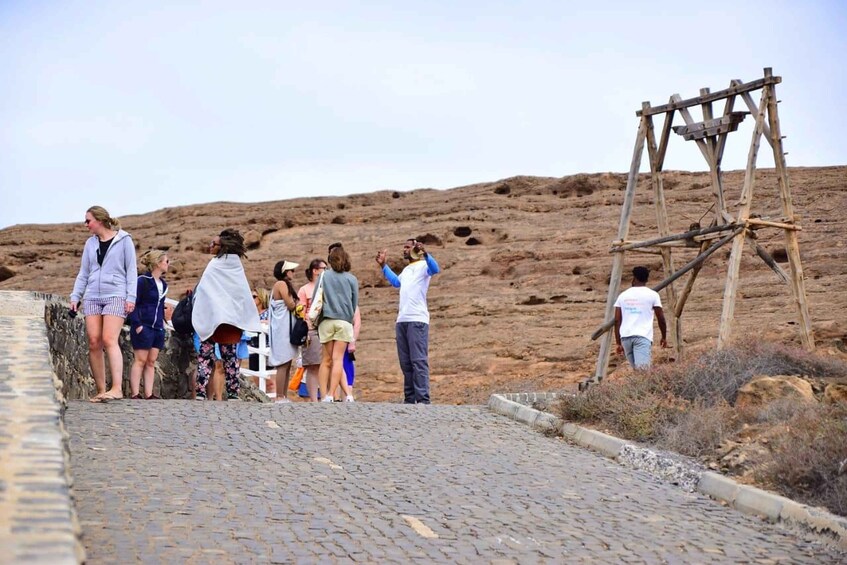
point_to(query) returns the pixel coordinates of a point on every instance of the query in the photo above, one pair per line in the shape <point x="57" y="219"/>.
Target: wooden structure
<point x="736" y="229"/>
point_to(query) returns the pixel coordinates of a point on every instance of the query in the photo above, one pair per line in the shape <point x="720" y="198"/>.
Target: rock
<point x="761" y="391"/>
<point x="252" y="239"/>
<point x="828" y="329"/>
<point x="835" y="394"/>
<point x="6" y="273"/>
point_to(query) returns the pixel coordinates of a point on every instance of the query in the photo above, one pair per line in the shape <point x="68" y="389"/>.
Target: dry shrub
<point x="635" y="408"/>
<point x="717" y="375"/>
<point x="701" y="429"/>
<point x="808" y="454"/>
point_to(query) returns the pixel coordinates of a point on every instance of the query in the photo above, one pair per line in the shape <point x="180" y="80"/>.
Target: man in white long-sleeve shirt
<point x="412" y="327"/>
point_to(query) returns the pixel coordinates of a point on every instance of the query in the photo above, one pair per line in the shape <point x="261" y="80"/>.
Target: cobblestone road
<point x="183" y="481"/>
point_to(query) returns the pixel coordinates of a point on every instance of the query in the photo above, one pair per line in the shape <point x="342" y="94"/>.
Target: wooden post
<point x="617" y="263"/>
<point x="792" y="246"/>
<point x="714" y="173"/>
<point x="664" y="229"/>
<point x="731" y="288"/>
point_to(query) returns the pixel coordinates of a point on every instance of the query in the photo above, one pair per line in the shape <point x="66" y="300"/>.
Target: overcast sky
<point x="137" y="106"/>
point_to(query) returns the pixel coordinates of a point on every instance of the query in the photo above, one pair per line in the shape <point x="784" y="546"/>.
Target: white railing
<point x="263" y="351"/>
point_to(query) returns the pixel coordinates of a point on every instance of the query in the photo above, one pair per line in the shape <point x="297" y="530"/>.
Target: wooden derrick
<point x="710" y="135"/>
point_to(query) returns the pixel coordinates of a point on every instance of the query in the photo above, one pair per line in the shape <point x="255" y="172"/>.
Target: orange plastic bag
<point x="294" y="383"/>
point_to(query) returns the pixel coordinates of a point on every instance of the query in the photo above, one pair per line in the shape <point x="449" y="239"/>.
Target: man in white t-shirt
<point x="634" y="311"/>
<point x="412" y="327"/>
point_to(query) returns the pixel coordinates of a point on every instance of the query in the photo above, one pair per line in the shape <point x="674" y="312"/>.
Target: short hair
<point x="101" y="215"/>
<point x="339" y="260"/>
<point x="310" y="270"/>
<point x="641" y="274"/>
<point x="232" y="242"/>
<point x="151" y="258"/>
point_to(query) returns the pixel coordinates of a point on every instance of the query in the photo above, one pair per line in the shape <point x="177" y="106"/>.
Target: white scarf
<point x="223" y="297"/>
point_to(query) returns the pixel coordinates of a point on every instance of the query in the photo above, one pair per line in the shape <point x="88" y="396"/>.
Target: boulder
<point x="835" y="394"/>
<point x="6" y="273"/>
<point x="763" y="390"/>
<point x="252" y="239"/>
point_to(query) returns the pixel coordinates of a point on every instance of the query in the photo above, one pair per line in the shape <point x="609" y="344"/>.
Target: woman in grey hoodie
<point x="106" y="285"/>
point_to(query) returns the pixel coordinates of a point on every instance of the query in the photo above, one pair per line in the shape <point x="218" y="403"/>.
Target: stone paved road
<point x="183" y="481"/>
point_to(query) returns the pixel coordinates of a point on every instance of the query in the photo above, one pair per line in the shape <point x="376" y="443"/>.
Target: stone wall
<point x="175" y="368"/>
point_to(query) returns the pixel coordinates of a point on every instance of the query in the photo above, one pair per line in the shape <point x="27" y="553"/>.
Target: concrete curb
<point x="744" y="498"/>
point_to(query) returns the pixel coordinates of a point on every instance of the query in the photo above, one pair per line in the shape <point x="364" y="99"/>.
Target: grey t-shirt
<point x="341" y="296"/>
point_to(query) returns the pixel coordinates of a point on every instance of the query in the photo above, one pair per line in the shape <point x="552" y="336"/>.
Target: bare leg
<point x="111" y="332"/>
<point x="312" y="381"/>
<point x="141" y="356"/>
<point x="337" y="367"/>
<point x="94" y="329"/>
<point x="323" y="373"/>
<point x="150" y="372"/>
<point x="283" y="374"/>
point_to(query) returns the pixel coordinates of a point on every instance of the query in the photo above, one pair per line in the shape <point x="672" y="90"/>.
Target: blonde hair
<point x="151" y="258"/>
<point x="102" y="215"/>
<point x="264" y="296"/>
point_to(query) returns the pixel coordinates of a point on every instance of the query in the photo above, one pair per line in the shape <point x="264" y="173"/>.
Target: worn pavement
<point x="202" y="482"/>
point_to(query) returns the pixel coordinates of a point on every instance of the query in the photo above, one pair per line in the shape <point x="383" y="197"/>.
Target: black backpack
<point x="299" y="330"/>
<point x="181" y="319"/>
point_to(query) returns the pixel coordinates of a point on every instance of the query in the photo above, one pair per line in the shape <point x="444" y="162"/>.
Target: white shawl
<point x="223" y="297"/>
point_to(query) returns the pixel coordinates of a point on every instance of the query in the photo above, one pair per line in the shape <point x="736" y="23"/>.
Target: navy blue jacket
<point x="149" y="310"/>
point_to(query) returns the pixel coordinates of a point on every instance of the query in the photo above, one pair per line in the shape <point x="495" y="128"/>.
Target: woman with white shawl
<point x="282" y="306"/>
<point x="223" y="309"/>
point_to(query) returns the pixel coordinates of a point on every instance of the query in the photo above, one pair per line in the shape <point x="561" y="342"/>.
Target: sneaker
<point x="327" y="399"/>
<point x="232" y="396"/>
<point x="282" y="400"/>
<point x="349" y="399"/>
<point x="200" y="397"/>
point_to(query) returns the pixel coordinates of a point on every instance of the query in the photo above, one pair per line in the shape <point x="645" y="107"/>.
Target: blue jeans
<point x="413" y="352"/>
<point x="637" y="349"/>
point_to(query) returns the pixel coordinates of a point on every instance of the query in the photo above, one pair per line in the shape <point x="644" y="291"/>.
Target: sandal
<point x="105" y="397"/>
<point x="154" y="397"/>
<point x="136" y="397"/>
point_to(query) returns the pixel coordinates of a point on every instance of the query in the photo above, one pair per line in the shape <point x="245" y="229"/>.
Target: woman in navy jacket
<point x="147" y="323"/>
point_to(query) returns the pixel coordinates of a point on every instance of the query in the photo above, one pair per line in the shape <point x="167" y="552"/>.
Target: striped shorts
<point x="114" y="306"/>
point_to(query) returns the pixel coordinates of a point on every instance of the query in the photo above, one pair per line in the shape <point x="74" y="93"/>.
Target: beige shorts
<point x="335" y="330"/>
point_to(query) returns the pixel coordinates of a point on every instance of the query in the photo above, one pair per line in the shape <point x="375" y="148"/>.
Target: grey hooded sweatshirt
<point x="118" y="275"/>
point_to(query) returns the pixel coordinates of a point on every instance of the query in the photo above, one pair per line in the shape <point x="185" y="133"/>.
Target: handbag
<point x="299" y="330"/>
<point x="294" y="383"/>
<point x="317" y="305"/>
<point x="181" y="318"/>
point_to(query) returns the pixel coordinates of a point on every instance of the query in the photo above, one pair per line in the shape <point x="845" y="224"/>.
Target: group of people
<point x="110" y="292"/>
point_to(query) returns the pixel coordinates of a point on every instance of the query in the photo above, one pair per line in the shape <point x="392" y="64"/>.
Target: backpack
<point x="299" y="330"/>
<point x="181" y="319"/>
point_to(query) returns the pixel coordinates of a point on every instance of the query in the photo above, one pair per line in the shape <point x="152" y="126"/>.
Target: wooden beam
<point x="751" y="105"/>
<point x="713" y="96"/>
<point x="602" y="366"/>
<point x="721" y="145"/>
<point x="768" y="259"/>
<point x="687" y="267"/>
<point x="663" y="142"/>
<point x="734" y="264"/>
<point x="674" y="237"/>
<point x="768" y="223"/>
<point x="664" y="229"/>
<point x="708" y="116"/>
<point x="689" y="284"/>
<point x="792" y="246"/>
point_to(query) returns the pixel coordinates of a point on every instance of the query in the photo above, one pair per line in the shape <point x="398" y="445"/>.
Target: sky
<point x="137" y="106"/>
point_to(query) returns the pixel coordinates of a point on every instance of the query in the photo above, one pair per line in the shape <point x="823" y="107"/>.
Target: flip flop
<point x="105" y="397"/>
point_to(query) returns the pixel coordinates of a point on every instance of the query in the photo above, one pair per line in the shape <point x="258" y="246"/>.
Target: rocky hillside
<point x="525" y="267"/>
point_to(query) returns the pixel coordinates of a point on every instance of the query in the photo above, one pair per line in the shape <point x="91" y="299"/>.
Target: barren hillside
<point x="525" y="267"/>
